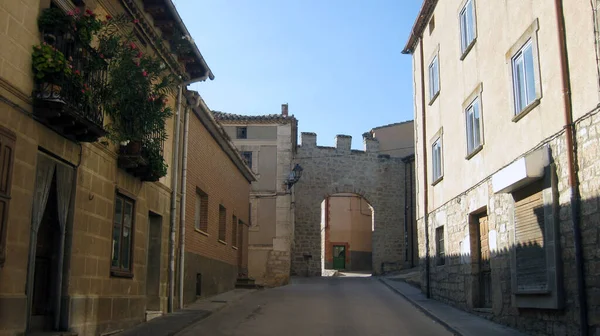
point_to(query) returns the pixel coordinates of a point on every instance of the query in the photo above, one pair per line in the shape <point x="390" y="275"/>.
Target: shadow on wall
<point x="530" y="285"/>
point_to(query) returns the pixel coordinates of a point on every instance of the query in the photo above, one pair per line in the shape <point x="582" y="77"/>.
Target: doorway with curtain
<point x="51" y="206"/>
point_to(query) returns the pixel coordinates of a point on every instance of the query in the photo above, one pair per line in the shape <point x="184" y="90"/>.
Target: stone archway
<point x="331" y="170"/>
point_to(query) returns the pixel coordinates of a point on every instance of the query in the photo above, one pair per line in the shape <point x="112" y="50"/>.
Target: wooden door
<point x="485" y="270"/>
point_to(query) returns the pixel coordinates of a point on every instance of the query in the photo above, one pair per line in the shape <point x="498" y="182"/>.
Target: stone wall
<point x="456" y="283"/>
<point x="327" y="171"/>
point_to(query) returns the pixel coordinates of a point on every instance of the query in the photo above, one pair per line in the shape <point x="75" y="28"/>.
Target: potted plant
<point x="49" y="67"/>
<point x="156" y="166"/>
<point x="53" y="21"/>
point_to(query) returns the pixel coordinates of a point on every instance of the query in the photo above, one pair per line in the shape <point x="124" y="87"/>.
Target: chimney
<point x="284" y="110"/>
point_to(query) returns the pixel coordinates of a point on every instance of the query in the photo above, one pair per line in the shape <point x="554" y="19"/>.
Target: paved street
<point x="347" y="306"/>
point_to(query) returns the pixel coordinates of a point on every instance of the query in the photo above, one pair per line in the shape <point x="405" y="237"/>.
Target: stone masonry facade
<point x="453" y="282"/>
<point x="330" y="170"/>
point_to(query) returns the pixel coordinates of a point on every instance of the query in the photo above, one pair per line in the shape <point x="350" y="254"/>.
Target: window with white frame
<point x="473" y="122"/>
<point x="467" y="25"/>
<point x="434" y="78"/>
<point x="436" y="158"/>
<point x="523" y="74"/>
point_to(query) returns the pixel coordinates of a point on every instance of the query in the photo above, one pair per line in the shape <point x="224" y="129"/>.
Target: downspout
<point x="173" y="218"/>
<point x="182" y="207"/>
<point x="412" y="215"/>
<point x="424" y="160"/>
<point x="572" y="168"/>
<point x="406" y="248"/>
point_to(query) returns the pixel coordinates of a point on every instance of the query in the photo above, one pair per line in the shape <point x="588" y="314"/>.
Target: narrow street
<point x="350" y="305"/>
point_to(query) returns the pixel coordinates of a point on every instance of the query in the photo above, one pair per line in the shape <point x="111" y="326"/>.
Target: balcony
<point x="144" y="159"/>
<point x="66" y="100"/>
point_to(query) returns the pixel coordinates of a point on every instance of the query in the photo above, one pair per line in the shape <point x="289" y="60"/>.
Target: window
<point x="242" y="132"/>
<point x="467" y="26"/>
<point x="431" y="24"/>
<point x="473" y="116"/>
<point x="234" y="229"/>
<point x="7" y="145"/>
<point x="434" y="80"/>
<point x="201" y="212"/>
<point x="222" y="224"/>
<point x="122" y="246"/>
<point x="523" y="74"/>
<point x="436" y="156"/>
<point x="247" y="156"/>
<point x="439" y="242"/>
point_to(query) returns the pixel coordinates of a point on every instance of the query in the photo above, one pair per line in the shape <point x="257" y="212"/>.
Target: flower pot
<point x="132" y="148"/>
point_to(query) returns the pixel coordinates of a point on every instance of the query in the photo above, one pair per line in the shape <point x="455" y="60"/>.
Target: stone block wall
<point x="327" y="171"/>
<point x="455" y="282"/>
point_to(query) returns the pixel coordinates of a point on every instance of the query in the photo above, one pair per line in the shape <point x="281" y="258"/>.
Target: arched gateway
<point x="379" y="179"/>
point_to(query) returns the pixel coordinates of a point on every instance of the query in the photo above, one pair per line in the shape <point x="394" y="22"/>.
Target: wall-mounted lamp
<point x="294" y="176"/>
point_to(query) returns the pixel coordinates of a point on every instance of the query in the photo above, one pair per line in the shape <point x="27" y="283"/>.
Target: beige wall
<point x="254" y="132"/>
<point x="499" y="27"/>
<point x="350" y="221"/>
<point x="396" y="140"/>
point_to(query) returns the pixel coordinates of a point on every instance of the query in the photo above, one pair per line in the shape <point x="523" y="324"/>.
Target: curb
<point x="421" y="308"/>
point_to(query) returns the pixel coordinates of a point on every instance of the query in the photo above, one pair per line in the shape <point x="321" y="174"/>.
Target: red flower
<point x="77" y="10"/>
<point x="144" y="73"/>
<point x="139" y="54"/>
<point x="165" y="100"/>
<point x="77" y="72"/>
<point x="132" y="45"/>
<point x="108" y="17"/>
<point x="82" y="91"/>
<point x="87" y="11"/>
<point x="102" y="56"/>
<point x="136" y="21"/>
<point x="70" y="13"/>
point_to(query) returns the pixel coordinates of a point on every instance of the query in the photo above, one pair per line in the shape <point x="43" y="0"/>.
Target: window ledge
<point x="437" y="180"/>
<point x="532" y="292"/>
<point x="234" y="247"/>
<point x="526" y="110"/>
<point x="469" y="47"/>
<point x="121" y="274"/>
<point x="204" y="233"/>
<point x="222" y="242"/>
<point x="432" y="100"/>
<point x="474" y="152"/>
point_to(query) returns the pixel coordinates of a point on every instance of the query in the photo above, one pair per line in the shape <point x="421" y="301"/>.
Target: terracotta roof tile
<point x="224" y="117"/>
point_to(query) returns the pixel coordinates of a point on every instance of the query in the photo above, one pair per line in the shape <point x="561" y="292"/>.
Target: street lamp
<point x="294" y="176"/>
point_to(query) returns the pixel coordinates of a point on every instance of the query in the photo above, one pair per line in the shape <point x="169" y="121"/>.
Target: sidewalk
<point x="171" y="324"/>
<point x="457" y="321"/>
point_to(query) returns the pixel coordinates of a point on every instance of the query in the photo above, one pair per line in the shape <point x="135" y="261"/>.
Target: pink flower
<point x="70" y="13"/>
<point x="77" y="10"/>
<point x="82" y="91"/>
<point x="77" y="72"/>
<point x="144" y="73"/>
<point x="165" y="100"/>
<point x="139" y="54"/>
<point x="132" y="45"/>
<point x="137" y="63"/>
<point x="102" y="56"/>
<point x="136" y="21"/>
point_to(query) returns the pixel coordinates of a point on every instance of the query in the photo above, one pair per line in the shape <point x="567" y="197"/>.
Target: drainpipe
<point x="424" y="160"/>
<point x="406" y="247"/>
<point x="572" y="168"/>
<point x="173" y="218"/>
<point x="183" y="205"/>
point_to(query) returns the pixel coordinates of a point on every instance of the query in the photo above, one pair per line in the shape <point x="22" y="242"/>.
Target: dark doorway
<point x="46" y="266"/>
<point x="153" y="266"/>
<point x="339" y="257"/>
<point x="485" y="271"/>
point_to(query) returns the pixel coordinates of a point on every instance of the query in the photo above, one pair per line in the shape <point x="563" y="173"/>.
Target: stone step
<point x="245" y="281"/>
<point x="152" y="314"/>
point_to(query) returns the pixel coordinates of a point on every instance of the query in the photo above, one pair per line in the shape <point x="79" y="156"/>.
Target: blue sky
<point x="338" y="64"/>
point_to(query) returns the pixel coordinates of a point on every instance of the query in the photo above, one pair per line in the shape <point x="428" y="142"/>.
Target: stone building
<point x="89" y="237"/>
<point x="506" y="132"/>
<point x="397" y="139"/>
<point x="267" y="143"/>
<point x="217" y="213"/>
<point x="377" y="178"/>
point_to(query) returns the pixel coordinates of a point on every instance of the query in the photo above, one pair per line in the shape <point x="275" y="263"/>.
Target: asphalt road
<point x="332" y="306"/>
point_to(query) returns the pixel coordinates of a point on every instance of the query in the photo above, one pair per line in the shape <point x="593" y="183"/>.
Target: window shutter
<point x="7" y="150"/>
<point x="529" y="232"/>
